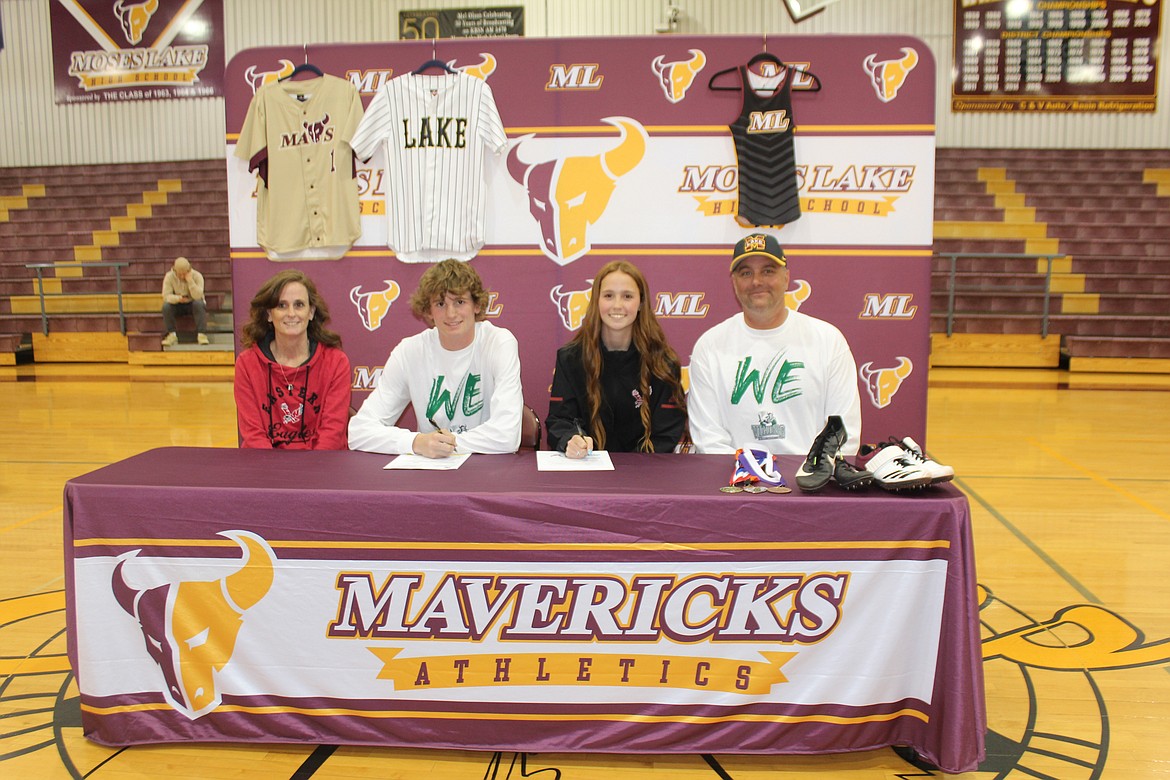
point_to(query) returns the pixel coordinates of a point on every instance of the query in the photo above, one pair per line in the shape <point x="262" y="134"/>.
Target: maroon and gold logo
<point x="572" y="304"/>
<point x="676" y="78"/>
<point x="568" y="194"/>
<point x="882" y="383"/>
<point x="375" y="305"/>
<point x="190" y="626"/>
<point x="888" y="76"/>
<point x="258" y="78"/>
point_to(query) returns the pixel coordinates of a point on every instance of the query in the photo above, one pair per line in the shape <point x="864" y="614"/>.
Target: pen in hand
<point x="587" y="444"/>
<point x="443" y="432"/>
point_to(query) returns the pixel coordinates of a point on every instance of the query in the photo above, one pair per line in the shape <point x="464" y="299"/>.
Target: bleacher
<point x="1103" y="216"/>
<point x="88" y="223"/>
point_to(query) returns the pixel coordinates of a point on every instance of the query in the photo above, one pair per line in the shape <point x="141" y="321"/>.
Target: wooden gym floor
<point x="1070" y="498"/>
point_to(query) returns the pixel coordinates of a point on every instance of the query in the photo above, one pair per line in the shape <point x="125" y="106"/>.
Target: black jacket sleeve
<point x="668" y="419"/>
<point x="566" y="401"/>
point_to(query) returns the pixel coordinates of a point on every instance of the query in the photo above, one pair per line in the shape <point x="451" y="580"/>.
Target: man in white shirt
<point x="770" y="375"/>
<point x="462" y="376"/>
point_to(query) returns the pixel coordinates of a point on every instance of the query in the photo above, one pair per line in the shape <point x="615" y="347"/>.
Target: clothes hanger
<point x="433" y="62"/>
<point x="305" y="67"/>
<point x="763" y="56"/>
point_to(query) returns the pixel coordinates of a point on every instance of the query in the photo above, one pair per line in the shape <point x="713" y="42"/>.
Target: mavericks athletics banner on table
<point x="612" y="611"/>
<point x="112" y="50"/>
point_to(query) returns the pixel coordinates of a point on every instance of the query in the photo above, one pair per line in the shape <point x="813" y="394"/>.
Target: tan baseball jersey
<point x="296" y="136"/>
<point x="435" y="131"/>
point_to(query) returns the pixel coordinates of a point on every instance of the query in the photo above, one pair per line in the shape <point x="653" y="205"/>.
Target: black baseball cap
<point x="762" y="244"/>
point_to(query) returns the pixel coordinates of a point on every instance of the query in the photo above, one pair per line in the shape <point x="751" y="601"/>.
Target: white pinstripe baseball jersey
<point x="434" y="130"/>
<point x="296" y="135"/>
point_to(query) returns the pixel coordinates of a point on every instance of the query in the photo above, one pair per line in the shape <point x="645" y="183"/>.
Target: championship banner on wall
<point x="197" y="640"/>
<point x="114" y="50"/>
<point x="619" y="148"/>
<point x="1067" y="55"/>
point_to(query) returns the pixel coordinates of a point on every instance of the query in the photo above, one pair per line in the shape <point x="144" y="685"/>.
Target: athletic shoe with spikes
<point x="938" y="472"/>
<point x="894" y="469"/>
<point x="817" y="469"/>
<point x="848" y="476"/>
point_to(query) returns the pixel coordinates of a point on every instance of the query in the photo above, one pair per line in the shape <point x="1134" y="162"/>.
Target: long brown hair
<point x="657" y="359"/>
<point x="258" y="328"/>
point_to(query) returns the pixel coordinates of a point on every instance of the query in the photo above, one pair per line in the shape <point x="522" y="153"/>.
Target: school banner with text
<point x="115" y="50"/>
<point x="619" y="148"/>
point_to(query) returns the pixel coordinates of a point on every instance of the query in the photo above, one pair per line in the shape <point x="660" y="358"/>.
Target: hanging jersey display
<point x="436" y="131"/>
<point x="764" y="150"/>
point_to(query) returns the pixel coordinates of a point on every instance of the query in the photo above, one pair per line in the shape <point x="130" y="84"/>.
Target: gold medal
<point x="730" y="489"/>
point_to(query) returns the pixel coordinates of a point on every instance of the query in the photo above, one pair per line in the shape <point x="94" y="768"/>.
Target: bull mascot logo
<point x="793" y="298"/>
<point x="481" y="70"/>
<point x="134" y="18"/>
<point x="882" y="383"/>
<point x="258" y="78"/>
<point x="572" y="305"/>
<point x="373" y="306"/>
<point x="888" y="76"/>
<point x="316" y="130"/>
<point x="568" y="195"/>
<point x="676" y="78"/>
<point x="190" y="627"/>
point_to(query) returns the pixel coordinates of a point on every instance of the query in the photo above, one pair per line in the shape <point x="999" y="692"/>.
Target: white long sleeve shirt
<point x="475" y="393"/>
<point x="774" y="387"/>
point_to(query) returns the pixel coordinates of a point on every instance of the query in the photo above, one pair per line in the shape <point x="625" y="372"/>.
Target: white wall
<point x="35" y="131"/>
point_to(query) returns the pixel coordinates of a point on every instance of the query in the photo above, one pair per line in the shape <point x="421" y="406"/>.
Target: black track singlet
<point x="764" y="150"/>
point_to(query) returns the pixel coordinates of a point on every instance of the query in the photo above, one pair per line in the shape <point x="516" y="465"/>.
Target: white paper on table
<point x="412" y="461"/>
<point x="598" y="460"/>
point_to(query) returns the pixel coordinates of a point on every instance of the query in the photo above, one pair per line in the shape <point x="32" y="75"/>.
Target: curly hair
<point x="258" y="328"/>
<point x="658" y="359"/>
<point x="449" y="276"/>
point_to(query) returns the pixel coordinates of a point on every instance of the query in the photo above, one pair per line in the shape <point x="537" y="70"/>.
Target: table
<point x="235" y="595"/>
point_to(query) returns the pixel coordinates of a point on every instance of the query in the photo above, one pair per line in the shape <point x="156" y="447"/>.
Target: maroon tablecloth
<point x="219" y="594"/>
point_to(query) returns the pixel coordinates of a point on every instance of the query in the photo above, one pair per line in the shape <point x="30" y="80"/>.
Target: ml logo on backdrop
<point x="571" y="77"/>
<point x="889" y="306"/>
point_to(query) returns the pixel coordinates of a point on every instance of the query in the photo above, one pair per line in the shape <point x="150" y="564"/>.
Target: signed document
<point x="598" y="460"/>
<point x="412" y="461"/>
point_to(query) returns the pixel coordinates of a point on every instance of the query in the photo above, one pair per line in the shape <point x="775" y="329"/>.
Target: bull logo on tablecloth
<point x="676" y="78"/>
<point x="374" y="306"/>
<point x="191" y="626"/>
<point x="569" y="194"/>
<point x="888" y="76"/>
<point x="882" y="383"/>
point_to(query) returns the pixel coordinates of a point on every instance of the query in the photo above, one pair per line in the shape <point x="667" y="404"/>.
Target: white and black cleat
<point x="893" y="469"/>
<point x="938" y="472"/>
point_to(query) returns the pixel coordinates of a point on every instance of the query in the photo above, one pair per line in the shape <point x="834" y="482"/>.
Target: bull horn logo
<point x="190" y="627"/>
<point x="373" y="306"/>
<point x="481" y="70"/>
<point x="567" y="195"/>
<point x="882" y="383"/>
<point x="134" y="18"/>
<point x="676" y="78"/>
<point x="258" y="78"/>
<point x="793" y="298"/>
<point x="888" y="76"/>
<point x="572" y="305"/>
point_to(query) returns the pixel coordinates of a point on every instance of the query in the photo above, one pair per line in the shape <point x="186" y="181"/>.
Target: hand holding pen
<point x="439" y="443"/>
<point x="580" y="445"/>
